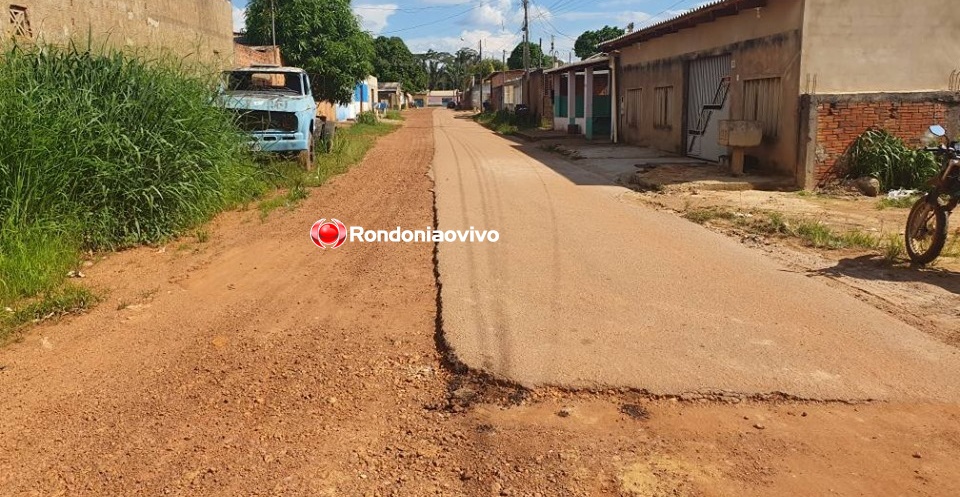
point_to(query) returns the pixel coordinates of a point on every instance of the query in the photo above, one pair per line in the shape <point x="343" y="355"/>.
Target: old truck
<point x="276" y="106"/>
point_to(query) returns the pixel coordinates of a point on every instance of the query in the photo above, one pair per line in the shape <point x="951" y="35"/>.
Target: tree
<point x="537" y="57"/>
<point x="434" y="65"/>
<point x="460" y="66"/>
<point x="486" y="67"/>
<point x="586" y="44"/>
<point x="321" y="36"/>
<point x="394" y="62"/>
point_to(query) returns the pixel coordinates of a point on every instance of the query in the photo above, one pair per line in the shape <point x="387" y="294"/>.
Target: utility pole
<point x="273" y="30"/>
<point x="526" y="51"/>
<point x="480" y="63"/>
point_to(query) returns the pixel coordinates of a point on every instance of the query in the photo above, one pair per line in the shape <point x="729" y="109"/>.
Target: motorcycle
<point x="927" y="224"/>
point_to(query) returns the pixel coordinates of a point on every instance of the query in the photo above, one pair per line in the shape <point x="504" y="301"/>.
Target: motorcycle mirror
<point x="938" y="130"/>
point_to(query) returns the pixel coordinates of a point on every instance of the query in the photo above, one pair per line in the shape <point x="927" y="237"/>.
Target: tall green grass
<point x="883" y="156"/>
<point x="106" y="149"/>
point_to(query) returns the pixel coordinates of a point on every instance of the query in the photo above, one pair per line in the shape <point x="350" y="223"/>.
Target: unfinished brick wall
<point x="245" y="56"/>
<point x="841" y="119"/>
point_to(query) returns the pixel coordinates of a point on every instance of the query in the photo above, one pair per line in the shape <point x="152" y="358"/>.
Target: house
<point x="813" y="74"/>
<point x="478" y="93"/>
<point x="195" y="28"/>
<point x="363" y="100"/>
<point x="572" y="110"/>
<point x="440" y="98"/>
<point x="393" y="95"/>
<point x="505" y="89"/>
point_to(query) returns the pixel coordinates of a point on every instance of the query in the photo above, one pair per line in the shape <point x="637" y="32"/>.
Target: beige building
<point x="814" y="73"/>
<point x="187" y="27"/>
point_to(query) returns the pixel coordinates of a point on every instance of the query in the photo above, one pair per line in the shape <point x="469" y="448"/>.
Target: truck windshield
<point x="264" y="81"/>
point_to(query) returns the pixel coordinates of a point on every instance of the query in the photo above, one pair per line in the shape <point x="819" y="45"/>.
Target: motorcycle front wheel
<point x="926" y="231"/>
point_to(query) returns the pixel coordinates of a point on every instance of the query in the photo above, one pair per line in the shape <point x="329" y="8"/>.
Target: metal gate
<point x="707" y="105"/>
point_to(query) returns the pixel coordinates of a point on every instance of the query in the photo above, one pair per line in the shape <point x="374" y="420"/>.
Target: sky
<point x="447" y="25"/>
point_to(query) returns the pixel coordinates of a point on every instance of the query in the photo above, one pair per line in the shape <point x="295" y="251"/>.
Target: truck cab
<point x="275" y="105"/>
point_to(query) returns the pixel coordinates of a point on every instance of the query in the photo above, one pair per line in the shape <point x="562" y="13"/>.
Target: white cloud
<point x="374" y="17"/>
<point x="493" y="43"/>
<point x="491" y="13"/>
<point x="239" y="19"/>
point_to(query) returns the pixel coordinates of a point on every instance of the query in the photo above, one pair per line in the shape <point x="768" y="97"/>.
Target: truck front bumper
<point x="279" y="142"/>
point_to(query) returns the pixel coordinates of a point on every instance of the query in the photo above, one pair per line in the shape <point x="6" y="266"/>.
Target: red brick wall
<point x="244" y="56"/>
<point x="841" y="121"/>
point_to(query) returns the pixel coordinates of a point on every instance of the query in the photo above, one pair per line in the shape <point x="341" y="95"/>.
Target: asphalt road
<point x="585" y="290"/>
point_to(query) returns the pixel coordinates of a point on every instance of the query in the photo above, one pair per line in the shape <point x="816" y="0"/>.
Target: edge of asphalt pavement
<point x="570" y="316"/>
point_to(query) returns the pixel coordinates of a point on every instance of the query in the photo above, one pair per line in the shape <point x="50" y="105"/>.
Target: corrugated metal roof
<point x="593" y="61"/>
<point x="664" y="27"/>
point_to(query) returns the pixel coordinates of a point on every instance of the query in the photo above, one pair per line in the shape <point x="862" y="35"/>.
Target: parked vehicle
<point x="927" y="228"/>
<point x="276" y="106"/>
<point x="451" y="104"/>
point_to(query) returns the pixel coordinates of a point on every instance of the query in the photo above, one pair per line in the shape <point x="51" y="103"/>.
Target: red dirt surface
<point x="258" y="364"/>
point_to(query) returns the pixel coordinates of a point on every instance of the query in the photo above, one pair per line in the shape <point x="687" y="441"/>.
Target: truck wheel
<point x="306" y="156"/>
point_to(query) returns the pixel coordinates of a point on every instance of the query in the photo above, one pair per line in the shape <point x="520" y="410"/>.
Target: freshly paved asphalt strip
<point x="584" y="290"/>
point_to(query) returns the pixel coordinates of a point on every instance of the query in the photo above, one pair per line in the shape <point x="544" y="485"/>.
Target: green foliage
<point x="52" y="304"/>
<point x="368" y="117"/>
<point x="586" y="44"/>
<point x="394" y="62"/>
<point x="321" y="36"/>
<point x="503" y="122"/>
<point x="434" y="65"/>
<point x="486" y="67"/>
<point x="537" y="57"/>
<point x="103" y="151"/>
<point x="883" y="156"/>
<point x="892" y="248"/>
<point x="707" y="214"/>
<point x="350" y="145"/>
<point x="394" y="115"/>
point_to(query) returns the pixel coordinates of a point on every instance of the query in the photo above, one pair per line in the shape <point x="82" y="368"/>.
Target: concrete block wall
<point x="840" y="119"/>
<point x="201" y="28"/>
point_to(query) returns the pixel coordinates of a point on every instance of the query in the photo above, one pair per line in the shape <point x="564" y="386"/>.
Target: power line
<point x="445" y="19"/>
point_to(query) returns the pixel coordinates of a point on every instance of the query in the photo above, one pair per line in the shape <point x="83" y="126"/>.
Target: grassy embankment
<point x="102" y="150"/>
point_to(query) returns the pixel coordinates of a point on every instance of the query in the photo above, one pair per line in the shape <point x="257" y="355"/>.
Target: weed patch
<point x="61" y="301"/>
<point x="101" y="150"/>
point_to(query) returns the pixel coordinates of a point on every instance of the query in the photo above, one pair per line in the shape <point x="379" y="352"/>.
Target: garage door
<point x="707" y="105"/>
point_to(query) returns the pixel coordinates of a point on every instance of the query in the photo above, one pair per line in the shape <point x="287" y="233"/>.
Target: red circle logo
<point x="328" y="234"/>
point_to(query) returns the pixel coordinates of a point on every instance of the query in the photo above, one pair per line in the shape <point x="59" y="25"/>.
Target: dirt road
<point x="584" y="289"/>
<point x="256" y="364"/>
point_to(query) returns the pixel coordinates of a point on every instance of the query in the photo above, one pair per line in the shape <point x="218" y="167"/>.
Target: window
<point x="633" y="107"/>
<point x="20" y="21"/>
<point x="761" y="102"/>
<point x="664" y="110"/>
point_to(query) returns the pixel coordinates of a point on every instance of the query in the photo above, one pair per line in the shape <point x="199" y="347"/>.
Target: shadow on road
<point x="872" y="267"/>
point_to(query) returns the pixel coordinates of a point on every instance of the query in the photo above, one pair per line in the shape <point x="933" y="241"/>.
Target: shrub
<point x="104" y="150"/>
<point x="881" y="155"/>
<point x="368" y="117"/>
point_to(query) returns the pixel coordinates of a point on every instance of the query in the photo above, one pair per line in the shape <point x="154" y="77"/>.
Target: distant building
<point x="393" y="95"/>
<point x="363" y="100"/>
<point x="440" y="98"/>
<point x="505" y="92"/>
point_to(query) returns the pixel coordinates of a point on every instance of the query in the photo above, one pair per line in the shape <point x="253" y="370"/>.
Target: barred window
<point x="633" y="107"/>
<point x="20" y="22"/>
<point x="664" y="110"/>
<point x="761" y="102"/>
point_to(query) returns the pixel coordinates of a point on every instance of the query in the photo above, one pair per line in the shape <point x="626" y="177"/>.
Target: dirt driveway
<point x="256" y="364"/>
